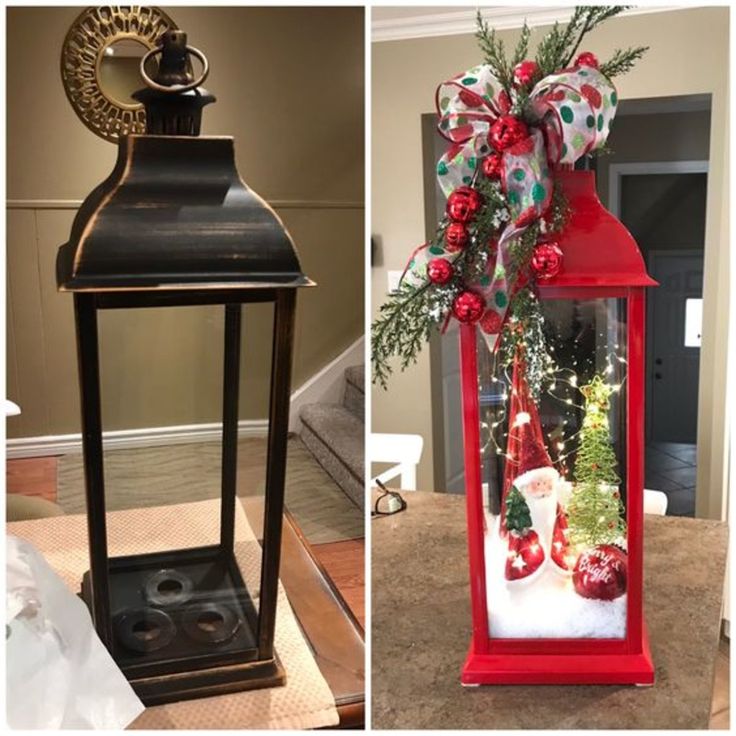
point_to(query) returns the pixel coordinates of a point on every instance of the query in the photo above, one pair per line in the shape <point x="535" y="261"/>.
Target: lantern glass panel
<point x="177" y="596"/>
<point x="587" y="338"/>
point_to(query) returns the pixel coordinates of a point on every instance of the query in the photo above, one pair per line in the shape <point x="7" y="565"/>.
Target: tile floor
<point x="670" y="467"/>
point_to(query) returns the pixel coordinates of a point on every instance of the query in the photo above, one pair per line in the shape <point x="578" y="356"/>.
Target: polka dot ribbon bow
<point x="571" y="114"/>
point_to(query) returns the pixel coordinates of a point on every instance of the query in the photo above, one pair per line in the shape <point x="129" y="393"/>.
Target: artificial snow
<point x="546" y="605"/>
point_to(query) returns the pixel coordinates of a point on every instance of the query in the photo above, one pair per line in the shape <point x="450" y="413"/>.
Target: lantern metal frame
<point x="588" y="274"/>
<point x="158" y="682"/>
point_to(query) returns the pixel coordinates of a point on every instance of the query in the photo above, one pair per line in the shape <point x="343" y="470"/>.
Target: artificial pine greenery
<point x="518" y="517"/>
<point x="595" y="508"/>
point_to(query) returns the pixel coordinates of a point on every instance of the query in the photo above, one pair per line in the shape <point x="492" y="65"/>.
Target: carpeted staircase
<point x="335" y="435"/>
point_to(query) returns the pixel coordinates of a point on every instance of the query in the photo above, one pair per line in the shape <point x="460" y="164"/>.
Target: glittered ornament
<point x="587" y="59"/>
<point x="456" y="237"/>
<point x="491" y="322"/>
<point x="439" y="271"/>
<point x="525" y="73"/>
<point x="600" y="573"/>
<point x="492" y="166"/>
<point x="546" y="261"/>
<point x="468" y="307"/>
<point x="506" y="132"/>
<point x="463" y="204"/>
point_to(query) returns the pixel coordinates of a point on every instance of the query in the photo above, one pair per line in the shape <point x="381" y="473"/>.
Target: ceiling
<point x="423" y="21"/>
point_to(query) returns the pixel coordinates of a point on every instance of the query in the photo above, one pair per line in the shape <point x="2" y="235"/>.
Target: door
<point x="675" y="327"/>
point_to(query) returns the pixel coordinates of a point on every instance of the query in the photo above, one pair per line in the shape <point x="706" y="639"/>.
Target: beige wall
<point x="289" y="83"/>
<point x="688" y="55"/>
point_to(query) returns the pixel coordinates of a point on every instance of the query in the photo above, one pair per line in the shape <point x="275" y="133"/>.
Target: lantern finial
<point x="173" y="98"/>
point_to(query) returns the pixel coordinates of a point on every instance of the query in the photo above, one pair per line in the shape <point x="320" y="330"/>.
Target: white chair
<point x="404" y="450"/>
<point x="655" y="502"/>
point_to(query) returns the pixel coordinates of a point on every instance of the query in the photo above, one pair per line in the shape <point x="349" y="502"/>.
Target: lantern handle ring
<point x="175" y="88"/>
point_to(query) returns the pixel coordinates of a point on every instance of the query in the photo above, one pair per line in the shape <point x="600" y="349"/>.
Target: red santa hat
<point x="533" y="461"/>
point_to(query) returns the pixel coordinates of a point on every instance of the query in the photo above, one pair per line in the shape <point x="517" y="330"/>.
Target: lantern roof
<point x="175" y="213"/>
<point x="598" y="250"/>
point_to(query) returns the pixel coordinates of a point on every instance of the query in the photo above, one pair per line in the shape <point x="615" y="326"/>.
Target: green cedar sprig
<point x="401" y="329"/>
<point x="623" y="61"/>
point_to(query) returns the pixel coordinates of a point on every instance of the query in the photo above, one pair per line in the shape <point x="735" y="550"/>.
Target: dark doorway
<point x="655" y="182"/>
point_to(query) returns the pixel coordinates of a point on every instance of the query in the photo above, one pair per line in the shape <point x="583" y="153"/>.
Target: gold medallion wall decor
<point x="100" y="65"/>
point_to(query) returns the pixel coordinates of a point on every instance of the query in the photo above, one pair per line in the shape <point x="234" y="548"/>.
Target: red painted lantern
<point x="543" y="631"/>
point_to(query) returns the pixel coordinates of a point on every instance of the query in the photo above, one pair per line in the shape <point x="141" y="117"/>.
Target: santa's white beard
<point x="543" y="511"/>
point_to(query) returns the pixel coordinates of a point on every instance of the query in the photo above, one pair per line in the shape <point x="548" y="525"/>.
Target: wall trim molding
<point x="124" y="439"/>
<point x="459" y="22"/>
<point x="279" y="204"/>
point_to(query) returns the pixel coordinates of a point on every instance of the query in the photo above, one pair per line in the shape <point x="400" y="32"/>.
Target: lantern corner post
<point x="473" y="489"/>
<point x="230" y="399"/>
<point x="635" y="471"/>
<point x="278" y="427"/>
<point x="85" y="317"/>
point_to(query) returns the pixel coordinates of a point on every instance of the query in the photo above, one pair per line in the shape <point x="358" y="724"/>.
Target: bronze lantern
<point x="175" y="225"/>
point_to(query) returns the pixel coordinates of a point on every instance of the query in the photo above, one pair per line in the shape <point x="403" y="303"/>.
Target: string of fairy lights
<point x="559" y="380"/>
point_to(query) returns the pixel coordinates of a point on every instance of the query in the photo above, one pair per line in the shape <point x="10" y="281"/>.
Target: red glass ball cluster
<point x="439" y="271"/>
<point x="526" y="73"/>
<point x="507" y="131"/>
<point x="546" y="261"/>
<point x="493" y="166"/>
<point x="468" y="307"/>
<point x="587" y="59"/>
<point x="463" y="204"/>
<point x="456" y="237"/>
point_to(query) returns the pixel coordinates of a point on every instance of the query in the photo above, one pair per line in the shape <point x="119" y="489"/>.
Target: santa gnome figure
<point x="532" y="518"/>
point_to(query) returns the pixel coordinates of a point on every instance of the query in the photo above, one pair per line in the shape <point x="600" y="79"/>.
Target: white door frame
<point x="616" y="171"/>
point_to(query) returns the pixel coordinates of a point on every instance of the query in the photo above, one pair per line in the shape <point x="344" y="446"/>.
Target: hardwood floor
<point x="345" y="564"/>
<point x="33" y="476"/>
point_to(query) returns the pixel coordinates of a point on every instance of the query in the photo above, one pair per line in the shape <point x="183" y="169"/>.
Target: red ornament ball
<point x="546" y="261"/>
<point x="463" y="204"/>
<point x="600" y="573"/>
<point x="456" y="237"/>
<point x="506" y="132"/>
<point x="491" y="322"/>
<point x="468" y="307"/>
<point x="439" y="271"/>
<point x="525" y="73"/>
<point x="587" y="59"/>
<point x="493" y="166"/>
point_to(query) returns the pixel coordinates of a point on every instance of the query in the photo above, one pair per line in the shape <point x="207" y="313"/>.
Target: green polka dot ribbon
<point x="571" y="114"/>
<point x="576" y="108"/>
<point x="467" y="106"/>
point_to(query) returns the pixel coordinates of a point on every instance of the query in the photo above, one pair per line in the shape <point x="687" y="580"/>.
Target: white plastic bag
<point x="59" y="675"/>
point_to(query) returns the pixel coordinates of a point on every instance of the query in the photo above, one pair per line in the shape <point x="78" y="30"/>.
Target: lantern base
<point x="184" y="625"/>
<point x="559" y="669"/>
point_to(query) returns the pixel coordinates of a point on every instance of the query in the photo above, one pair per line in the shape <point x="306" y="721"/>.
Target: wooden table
<point x="334" y="634"/>
<point x="421" y="631"/>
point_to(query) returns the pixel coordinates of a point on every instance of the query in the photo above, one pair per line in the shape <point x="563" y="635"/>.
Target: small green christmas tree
<point x="518" y="516"/>
<point x="595" y="509"/>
